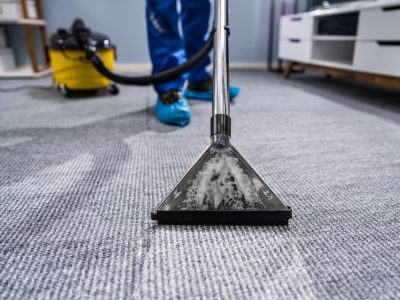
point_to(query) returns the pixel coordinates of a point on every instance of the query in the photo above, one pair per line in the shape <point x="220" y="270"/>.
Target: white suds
<point x="223" y="184"/>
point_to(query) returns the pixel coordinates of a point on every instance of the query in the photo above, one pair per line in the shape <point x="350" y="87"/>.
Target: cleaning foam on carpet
<point x="223" y="184"/>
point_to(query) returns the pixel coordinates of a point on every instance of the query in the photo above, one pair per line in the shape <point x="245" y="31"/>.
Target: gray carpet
<point x="78" y="179"/>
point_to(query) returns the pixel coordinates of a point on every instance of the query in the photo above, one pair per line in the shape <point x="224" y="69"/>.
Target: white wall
<point x="124" y="22"/>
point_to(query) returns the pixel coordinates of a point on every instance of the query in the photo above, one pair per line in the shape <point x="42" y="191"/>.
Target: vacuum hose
<point x="163" y="76"/>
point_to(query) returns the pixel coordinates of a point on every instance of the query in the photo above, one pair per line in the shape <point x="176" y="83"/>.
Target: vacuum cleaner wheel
<point x="66" y="92"/>
<point x="112" y="89"/>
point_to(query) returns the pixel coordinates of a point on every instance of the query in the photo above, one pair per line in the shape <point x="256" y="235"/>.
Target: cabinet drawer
<point x="296" y="27"/>
<point x="295" y="49"/>
<point x="380" y="23"/>
<point x="378" y="57"/>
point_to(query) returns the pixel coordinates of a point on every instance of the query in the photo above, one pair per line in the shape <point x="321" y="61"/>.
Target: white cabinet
<point x="295" y="49"/>
<point x="296" y="27"/>
<point x="295" y="38"/>
<point x="382" y="23"/>
<point x="378" y="57"/>
<point x="363" y="38"/>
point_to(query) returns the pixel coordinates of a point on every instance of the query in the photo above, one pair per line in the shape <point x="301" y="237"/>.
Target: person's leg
<point x="195" y="17"/>
<point x="166" y="51"/>
<point x="195" y="23"/>
<point x="165" y="44"/>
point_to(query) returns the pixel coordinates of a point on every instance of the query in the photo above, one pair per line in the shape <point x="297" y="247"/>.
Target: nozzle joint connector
<point x="220" y="124"/>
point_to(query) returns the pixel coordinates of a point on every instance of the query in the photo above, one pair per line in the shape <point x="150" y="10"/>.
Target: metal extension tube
<point x="220" y="121"/>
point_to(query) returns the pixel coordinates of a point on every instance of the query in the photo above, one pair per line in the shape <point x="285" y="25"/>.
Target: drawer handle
<point x="295" y="19"/>
<point x="387" y="43"/>
<point x="294" y="40"/>
<point x="1" y="9"/>
<point x="390" y="8"/>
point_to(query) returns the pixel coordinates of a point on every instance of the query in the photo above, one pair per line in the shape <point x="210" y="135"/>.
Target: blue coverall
<point x="168" y="48"/>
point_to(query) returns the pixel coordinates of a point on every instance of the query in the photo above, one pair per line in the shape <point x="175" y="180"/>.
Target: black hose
<point x="164" y="76"/>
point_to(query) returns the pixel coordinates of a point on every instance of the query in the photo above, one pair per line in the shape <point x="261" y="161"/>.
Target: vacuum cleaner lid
<point x="70" y="40"/>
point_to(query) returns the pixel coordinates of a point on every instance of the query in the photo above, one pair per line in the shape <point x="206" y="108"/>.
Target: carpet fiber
<point x="79" y="178"/>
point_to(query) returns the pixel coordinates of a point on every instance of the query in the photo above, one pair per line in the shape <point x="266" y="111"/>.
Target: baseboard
<point x="274" y="66"/>
<point x="145" y="68"/>
<point x="140" y="68"/>
<point x="248" y="66"/>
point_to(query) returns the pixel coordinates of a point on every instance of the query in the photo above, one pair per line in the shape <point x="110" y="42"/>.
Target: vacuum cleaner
<point x="83" y="63"/>
<point x="74" y="74"/>
<point x="221" y="187"/>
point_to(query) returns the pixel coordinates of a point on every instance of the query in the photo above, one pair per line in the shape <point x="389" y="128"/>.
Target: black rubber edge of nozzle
<point x="220" y="124"/>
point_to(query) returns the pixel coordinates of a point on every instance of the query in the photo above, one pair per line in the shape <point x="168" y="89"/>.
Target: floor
<point x="79" y="178"/>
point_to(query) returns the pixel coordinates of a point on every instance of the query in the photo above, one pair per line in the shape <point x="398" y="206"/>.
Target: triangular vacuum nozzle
<point x="221" y="188"/>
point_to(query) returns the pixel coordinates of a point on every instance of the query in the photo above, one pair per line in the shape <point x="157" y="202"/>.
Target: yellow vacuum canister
<point x="74" y="74"/>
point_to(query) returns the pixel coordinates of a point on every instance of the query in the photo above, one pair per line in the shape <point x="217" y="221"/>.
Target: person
<point x="168" y="49"/>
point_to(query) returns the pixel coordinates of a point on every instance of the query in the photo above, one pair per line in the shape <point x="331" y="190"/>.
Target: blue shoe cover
<point x="177" y="113"/>
<point x="234" y="91"/>
<point x="207" y="95"/>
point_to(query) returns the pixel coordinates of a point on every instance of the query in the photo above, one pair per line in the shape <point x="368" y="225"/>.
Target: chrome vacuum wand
<point x="220" y="120"/>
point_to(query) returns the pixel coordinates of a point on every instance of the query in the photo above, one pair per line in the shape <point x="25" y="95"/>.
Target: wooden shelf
<point x="24" y="71"/>
<point x="30" y="25"/>
<point x="37" y="22"/>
